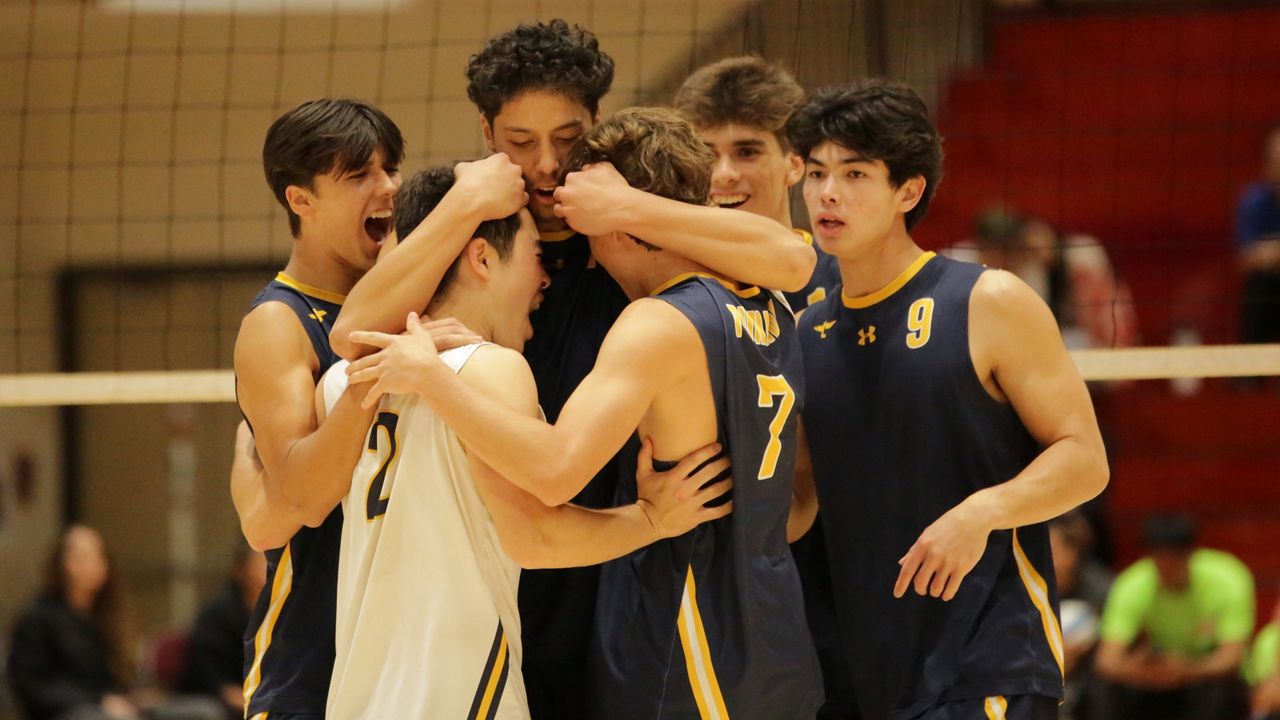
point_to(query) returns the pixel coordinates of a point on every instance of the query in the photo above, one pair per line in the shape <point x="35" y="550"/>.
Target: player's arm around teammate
<point x="651" y="348"/>
<point x="536" y="535"/>
<point x="1018" y="355"/>
<point x="747" y="247"/>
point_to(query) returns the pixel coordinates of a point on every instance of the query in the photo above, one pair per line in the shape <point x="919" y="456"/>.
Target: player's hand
<point x="595" y="200"/>
<point x="450" y="333"/>
<point x="495" y="183"/>
<point x="1266" y="698"/>
<point x="675" y="501"/>
<point x="118" y="707"/>
<point x="399" y="365"/>
<point x="945" y="553"/>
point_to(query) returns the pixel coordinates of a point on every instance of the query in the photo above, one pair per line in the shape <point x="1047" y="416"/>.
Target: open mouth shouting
<point x="828" y="224"/>
<point x="544" y="195"/>
<point x="731" y="201"/>
<point x="378" y="225"/>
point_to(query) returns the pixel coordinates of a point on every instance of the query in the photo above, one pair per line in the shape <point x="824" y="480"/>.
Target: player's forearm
<point x="804" y="503"/>
<point x="543" y="460"/>
<point x="744" y="246"/>
<point x="573" y="536"/>
<point x="316" y="470"/>
<point x="263" y="526"/>
<point x="407" y="278"/>
<point x="1065" y="475"/>
<point x="1117" y="664"/>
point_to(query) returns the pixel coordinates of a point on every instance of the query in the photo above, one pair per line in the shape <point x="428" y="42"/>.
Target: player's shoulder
<point x="1002" y="296"/>
<point x="500" y="372"/>
<point x="271" y="334"/>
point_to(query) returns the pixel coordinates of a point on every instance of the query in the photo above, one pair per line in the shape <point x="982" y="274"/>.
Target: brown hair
<point x="746" y="90"/>
<point x="655" y="149"/>
<point x="107" y="614"/>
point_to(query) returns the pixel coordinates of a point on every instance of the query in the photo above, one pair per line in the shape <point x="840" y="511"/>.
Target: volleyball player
<point x="334" y="166"/>
<point x="709" y="624"/>
<point x="538" y="89"/>
<point x="427" y="625"/>
<point x="946" y="422"/>
<point x="739" y="106"/>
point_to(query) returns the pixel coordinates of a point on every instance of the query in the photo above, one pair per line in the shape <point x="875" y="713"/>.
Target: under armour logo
<point x="318" y="314"/>
<point x="867" y="336"/>
<point x="824" y="327"/>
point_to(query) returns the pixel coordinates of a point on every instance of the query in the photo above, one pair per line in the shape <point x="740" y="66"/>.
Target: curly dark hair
<point x="420" y="194"/>
<point x="881" y="120"/>
<point x="552" y="56"/>
<point x="745" y="90"/>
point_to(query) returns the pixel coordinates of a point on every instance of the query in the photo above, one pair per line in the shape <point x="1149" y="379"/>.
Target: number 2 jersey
<point x="901" y="430"/>
<point x="427" y="621"/>
<point x="711" y="624"/>
<point x="288" y="651"/>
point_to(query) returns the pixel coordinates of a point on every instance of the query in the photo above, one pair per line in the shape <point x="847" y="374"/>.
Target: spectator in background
<point x="1258" y="247"/>
<point x="1262" y="670"/>
<point x="1071" y="273"/>
<point x="1083" y="583"/>
<point x="215" y="651"/>
<point x="69" y="659"/>
<point x="1174" y="631"/>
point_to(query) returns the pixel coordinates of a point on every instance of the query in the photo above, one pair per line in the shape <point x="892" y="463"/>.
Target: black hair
<point x="551" y="56"/>
<point x="420" y="194"/>
<point x="1168" y="531"/>
<point x="880" y="120"/>
<point x="322" y="136"/>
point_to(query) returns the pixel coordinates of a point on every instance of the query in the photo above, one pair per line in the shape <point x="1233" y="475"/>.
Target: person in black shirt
<point x="69" y="656"/>
<point x="215" y="651"/>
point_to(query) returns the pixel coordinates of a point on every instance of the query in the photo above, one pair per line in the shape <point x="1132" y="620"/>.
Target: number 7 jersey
<point x="711" y="624"/>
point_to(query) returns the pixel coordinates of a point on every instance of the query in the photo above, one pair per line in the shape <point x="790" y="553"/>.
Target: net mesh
<point x="137" y="225"/>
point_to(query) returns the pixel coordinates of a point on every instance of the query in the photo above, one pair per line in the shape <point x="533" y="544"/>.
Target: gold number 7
<point x="772" y="386"/>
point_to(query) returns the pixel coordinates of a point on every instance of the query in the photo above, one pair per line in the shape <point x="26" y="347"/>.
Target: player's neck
<point x="468" y="309"/>
<point x="879" y="265"/>
<point x="312" y="263"/>
<point x="664" y="267"/>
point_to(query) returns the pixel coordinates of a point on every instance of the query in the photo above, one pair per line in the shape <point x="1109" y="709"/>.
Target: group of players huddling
<point x="543" y="457"/>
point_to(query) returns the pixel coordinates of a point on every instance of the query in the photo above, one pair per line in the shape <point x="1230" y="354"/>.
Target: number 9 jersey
<point x="711" y="624"/>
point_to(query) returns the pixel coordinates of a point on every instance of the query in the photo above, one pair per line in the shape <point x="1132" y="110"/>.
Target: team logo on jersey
<point x="824" y="327"/>
<point x="867" y="335"/>
<point x="760" y="326"/>
<point x="318" y="314"/>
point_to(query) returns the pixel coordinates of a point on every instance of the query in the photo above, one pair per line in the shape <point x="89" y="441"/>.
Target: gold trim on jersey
<point x="280" y="587"/>
<point x="259" y="716"/>
<point x="326" y="295"/>
<point x="492" y="680"/>
<point x="866" y="301"/>
<point x="746" y="291"/>
<point x="996" y="707"/>
<point x="557" y="235"/>
<point x="805" y="235"/>
<point x="697" y="656"/>
<point x="1039" y="593"/>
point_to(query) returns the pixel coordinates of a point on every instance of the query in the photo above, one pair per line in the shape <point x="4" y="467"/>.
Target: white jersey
<point x="427" y="625"/>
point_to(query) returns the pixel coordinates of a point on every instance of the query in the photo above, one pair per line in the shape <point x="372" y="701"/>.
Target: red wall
<point x="1138" y="128"/>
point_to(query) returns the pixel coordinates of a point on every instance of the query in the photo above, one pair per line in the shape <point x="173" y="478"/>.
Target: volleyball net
<point x="1098" y="152"/>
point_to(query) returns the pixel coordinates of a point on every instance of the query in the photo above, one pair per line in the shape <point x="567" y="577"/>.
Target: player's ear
<point x="911" y="192"/>
<point x="795" y="168"/>
<point x="487" y="130"/>
<point x="478" y="256"/>
<point x="301" y="200"/>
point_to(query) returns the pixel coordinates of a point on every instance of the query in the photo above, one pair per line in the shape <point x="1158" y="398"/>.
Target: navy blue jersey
<point x="901" y="430"/>
<point x="288" y="645"/>
<point x="711" y="624"/>
<point x="826" y="276"/>
<point x="557" y="606"/>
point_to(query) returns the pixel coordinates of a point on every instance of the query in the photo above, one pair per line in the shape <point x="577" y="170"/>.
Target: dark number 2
<point x="376" y="504"/>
